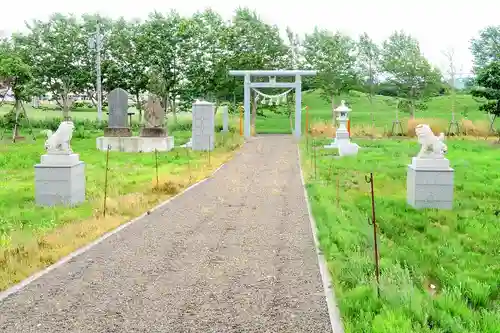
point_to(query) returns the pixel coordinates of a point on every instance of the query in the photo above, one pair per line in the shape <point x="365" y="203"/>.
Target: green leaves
<point x="333" y="55"/>
<point x="488" y="81"/>
<point x="408" y="70"/>
<point x="14" y="72"/>
<point x="486" y="47"/>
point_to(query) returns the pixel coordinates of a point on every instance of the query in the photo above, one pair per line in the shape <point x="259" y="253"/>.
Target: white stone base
<point x="430" y="183"/>
<point x="430" y="163"/>
<point x="341" y="137"/>
<point x="135" y="144"/>
<point x="337" y="142"/>
<point x="59" y="180"/>
<point x="60" y="159"/>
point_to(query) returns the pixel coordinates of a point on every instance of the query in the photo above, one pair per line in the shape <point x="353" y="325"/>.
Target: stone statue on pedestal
<point x="432" y="146"/>
<point x="429" y="176"/>
<point x="60" y="175"/>
<point x="59" y="142"/>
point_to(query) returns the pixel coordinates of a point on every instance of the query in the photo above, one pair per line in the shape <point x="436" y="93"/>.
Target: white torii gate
<point x="297" y="85"/>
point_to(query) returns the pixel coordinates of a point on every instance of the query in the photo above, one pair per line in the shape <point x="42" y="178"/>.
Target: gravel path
<point x="234" y="254"/>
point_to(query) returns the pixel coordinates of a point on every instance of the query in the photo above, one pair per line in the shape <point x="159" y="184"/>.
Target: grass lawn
<point x="384" y="110"/>
<point x="33" y="237"/>
<point x="458" y="251"/>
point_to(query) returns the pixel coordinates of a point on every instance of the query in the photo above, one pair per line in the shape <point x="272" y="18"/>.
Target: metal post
<point x="98" y="71"/>
<point x="372" y="221"/>
<point x="298" y="106"/>
<point x="106" y="182"/>
<point x="156" y="167"/>
<point x="246" y="103"/>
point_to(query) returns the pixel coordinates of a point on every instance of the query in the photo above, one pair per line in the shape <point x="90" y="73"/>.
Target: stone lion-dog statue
<point x="432" y="146"/>
<point x="59" y="142"/>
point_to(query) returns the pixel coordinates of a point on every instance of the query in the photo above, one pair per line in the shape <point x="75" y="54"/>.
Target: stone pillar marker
<point x="203" y="129"/>
<point x="430" y="177"/>
<point x="225" y="119"/>
<point x="118" y="114"/>
<point x="60" y="175"/>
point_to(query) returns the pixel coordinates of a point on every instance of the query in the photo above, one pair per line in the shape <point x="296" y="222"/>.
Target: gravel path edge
<point x="331" y="302"/>
<point x="19" y="286"/>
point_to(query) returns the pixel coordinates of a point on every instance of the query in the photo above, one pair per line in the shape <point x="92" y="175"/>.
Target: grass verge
<point x="33" y="237"/>
<point x="456" y="251"/>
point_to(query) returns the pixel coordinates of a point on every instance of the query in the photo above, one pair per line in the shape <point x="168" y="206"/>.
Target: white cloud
<point x="437" y="24"/>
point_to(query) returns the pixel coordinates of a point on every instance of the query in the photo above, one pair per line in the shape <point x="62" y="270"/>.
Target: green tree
<point x="163" y="45"/>
<point x="254" y="44"/>
<point x="368" y="61"/>
<point x="16" y="75"/>
<point x="208" y="60"/>
<point x="333" y="55"/>
<point x="488" y="88"/>
<point x="486" y="47"/>
<point x="56" y="50"/>
<point x="409" y="71"/>
<point x="125" y="67"/>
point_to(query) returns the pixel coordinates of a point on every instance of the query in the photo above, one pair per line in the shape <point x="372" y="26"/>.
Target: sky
<point x="439" y="25"/>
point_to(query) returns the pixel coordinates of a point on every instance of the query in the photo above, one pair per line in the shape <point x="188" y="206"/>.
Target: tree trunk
<point x="174" y="111"/>
<point x="66" y="112"/>
<point x="334" y="119"/>
<point x="18" y="113"/>
<point x="216" y="106"/>
<point x="138" y="106"/>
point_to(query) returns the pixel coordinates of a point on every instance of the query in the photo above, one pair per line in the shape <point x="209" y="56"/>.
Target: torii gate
<point x="297" y="85"/>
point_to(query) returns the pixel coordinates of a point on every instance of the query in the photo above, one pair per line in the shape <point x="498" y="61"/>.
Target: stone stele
<point x="154" y="119"/>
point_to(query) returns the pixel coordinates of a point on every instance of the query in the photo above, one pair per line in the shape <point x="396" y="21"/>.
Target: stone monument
<point x="154" y="119"/>
<point x="225" y="119"/>
<point x="153" y="136"/>
<point x="118" y="114"/>
<point x="429" y="177"/>
<point x="203" y="129"/>
<point x="342" y="140"/>
<point x="60" y="175"/>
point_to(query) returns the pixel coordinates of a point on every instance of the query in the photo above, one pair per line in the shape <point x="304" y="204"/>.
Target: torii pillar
<point x="297" y="85"/>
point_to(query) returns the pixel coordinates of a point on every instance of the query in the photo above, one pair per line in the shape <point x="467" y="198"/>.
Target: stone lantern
<point x="342" y="134"/>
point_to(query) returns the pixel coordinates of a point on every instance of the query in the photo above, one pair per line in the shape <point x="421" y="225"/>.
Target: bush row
<point x="84" y="128"/>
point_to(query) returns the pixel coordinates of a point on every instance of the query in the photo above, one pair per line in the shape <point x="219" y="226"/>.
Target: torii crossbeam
<point x="297" y="85"/>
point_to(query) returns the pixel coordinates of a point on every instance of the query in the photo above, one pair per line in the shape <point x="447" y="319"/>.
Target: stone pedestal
<point x="117" y="132"/>
<point x="430" y="183"/>
<point x="203" y="130"/>
<point x="60" y="180"/>
<point x="153" y="132"/>
<point x="135" y="144"/>
<point x="341" y="138"/>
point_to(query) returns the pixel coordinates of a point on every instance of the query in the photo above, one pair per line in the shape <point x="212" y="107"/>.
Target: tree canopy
<point x="181" y="58"/>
